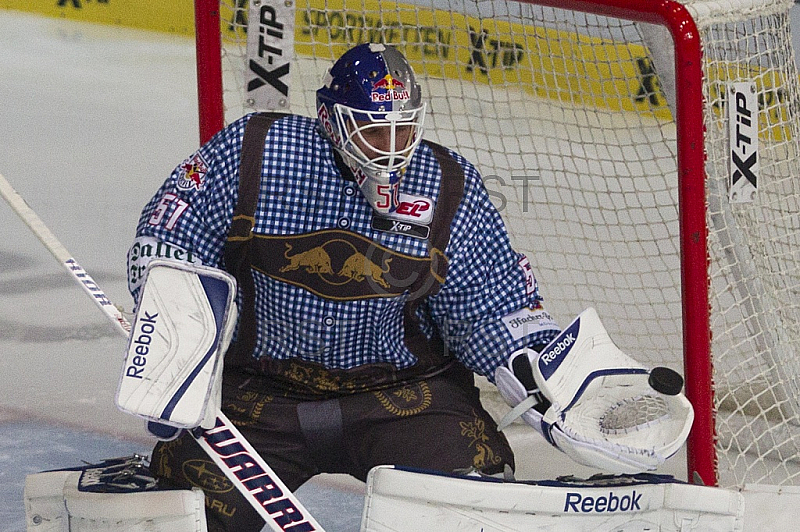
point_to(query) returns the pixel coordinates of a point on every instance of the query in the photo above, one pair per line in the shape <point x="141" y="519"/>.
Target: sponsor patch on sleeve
<point x="526" y="321"/>
<point x="147" y="248"/>
<point x="192" y="173"/>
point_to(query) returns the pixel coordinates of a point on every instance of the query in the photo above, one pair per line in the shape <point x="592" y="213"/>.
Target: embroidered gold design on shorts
<point x="199" y="472"/>
<point x="161" y="457"/>
<point x="316" y="378"/>
<point x="406" y="401"/>
<point x="476" y="432"/>
<point x="247" y="408"/>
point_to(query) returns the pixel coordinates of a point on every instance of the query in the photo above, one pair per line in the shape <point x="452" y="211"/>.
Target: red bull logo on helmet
<point x="389" y="89"/>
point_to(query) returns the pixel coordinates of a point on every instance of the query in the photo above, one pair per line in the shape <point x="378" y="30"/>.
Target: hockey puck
<point x="665" y="380"/>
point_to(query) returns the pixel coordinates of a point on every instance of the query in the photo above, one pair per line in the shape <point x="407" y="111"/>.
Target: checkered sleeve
<point x="189" y="215"/>
<point x="487" y="285"/>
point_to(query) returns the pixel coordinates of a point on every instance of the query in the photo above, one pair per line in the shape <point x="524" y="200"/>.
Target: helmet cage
<point x="355" y="126"/>
<point x="372" y="86"/>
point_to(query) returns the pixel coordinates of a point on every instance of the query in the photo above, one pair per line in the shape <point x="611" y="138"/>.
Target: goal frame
<point x="691" y="179"/>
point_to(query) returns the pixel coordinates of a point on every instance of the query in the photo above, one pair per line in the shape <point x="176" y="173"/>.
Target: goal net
<point x="644" y="156"/>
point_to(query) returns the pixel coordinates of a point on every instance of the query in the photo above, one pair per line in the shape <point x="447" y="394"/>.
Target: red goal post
<point x="577" y="77"/>
<point x="209" y="68"/>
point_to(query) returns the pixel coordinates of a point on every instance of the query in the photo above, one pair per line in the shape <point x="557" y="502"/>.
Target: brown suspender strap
<point x="431" y="352"/>
<point x="451" y="191"/>
<point x="238" y="248"/>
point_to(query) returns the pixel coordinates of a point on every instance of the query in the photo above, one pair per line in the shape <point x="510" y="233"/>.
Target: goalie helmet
<point x="371" y="110"/>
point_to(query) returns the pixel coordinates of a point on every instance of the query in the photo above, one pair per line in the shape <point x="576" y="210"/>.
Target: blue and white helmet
<point x="370" y="93"/>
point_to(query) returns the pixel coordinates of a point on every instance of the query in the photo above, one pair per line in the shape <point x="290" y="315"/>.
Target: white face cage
<point x="387" y="161"/>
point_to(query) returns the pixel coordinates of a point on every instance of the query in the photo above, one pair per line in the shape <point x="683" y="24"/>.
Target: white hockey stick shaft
<point x="225" y="445"/>
<point x="61" y="254"/>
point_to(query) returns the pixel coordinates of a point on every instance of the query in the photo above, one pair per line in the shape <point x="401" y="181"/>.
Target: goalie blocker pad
<point x="604" y="413"/>
<point x="173" y="365"/>
<point x="417" y="501"/>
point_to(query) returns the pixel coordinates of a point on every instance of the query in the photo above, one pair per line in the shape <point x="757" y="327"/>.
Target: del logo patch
<point x="192" y="173"/>
<point x="412" y="217"/>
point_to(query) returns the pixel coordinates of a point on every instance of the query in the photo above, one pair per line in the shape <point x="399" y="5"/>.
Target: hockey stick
<point x="224" y="444"/>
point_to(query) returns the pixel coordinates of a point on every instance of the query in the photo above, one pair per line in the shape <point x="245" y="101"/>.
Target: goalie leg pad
<point x="183" y="325"/>
<point x="415" y="501"/>
<point x="114" y="495"/>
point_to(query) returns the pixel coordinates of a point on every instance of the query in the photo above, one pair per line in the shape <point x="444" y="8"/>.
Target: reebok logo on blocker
<point x="560" y="347"/>
<point x="140" y="346"/>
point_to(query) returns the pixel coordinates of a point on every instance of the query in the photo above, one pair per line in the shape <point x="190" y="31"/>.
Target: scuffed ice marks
<point x="14" y="261"/>
<point x="24" y="332"/>
<point x="21" y="277"/>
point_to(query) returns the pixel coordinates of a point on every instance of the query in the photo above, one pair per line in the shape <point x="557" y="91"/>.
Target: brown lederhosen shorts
<point x="435" y="424"/>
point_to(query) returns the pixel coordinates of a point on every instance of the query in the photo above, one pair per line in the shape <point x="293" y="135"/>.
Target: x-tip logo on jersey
<point x="399" y="227"/>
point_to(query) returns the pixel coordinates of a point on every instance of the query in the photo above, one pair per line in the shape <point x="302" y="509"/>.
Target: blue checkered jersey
<point x="488" y="296"/>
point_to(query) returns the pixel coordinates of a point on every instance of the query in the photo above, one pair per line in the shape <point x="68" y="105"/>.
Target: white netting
<point x="564" y="115"/>
<point x="754" y="250"/>
<point x="634" y="414"/>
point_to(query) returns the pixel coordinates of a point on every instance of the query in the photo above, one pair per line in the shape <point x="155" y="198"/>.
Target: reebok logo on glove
<point x="560" y="347"/>
<point x="557" y="350"/>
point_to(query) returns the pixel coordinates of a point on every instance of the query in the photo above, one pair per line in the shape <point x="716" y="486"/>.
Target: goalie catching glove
<point x="184" y="322"/>
<point x="595" y="403"/>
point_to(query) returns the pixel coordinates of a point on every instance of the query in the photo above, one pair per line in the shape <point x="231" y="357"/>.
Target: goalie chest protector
<point x="244" y="249"/>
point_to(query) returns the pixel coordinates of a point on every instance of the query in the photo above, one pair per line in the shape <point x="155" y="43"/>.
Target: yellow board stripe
<point x="167" y="16"/>
<point x="577" y="69"/>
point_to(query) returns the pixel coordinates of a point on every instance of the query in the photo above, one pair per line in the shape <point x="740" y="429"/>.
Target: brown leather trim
<point x="337" y="264"/>
<point x="304" y="380"/>
<point x="250" y="164"/>
<point x="431" y="352"/>
<point x="238" y="250"/>
<point x="451" y="191"/>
